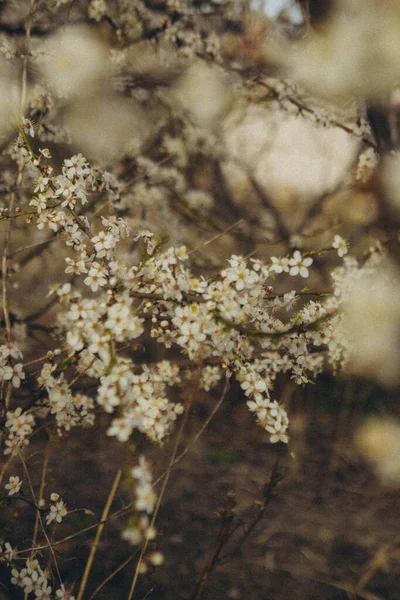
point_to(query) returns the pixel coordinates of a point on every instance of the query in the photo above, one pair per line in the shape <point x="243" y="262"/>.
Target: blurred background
<point x="233" y="127"/>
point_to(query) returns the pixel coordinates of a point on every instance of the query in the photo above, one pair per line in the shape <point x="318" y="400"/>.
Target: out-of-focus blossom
<point x="379" y="442"/>
<point x="366" y="165"/>
<point x="356" y="54"/>
<point x="72" y="60"/>
<point x="102" y="125"/>
<point x="276" y="8"/>
<point x="372" y="324"/>
<point x="390" y="178"/>
<point x="205" y="93"/>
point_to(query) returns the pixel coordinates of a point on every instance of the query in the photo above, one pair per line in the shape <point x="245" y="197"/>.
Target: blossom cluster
<point x="136" y="316"/>
<point x="35" y="580"/>
<point x="19" y="426"/>
<point x="233" y="322"/>
<point x="57" y="511"/>
<point x="145" y="498"/>
<point x="10" y="369"/>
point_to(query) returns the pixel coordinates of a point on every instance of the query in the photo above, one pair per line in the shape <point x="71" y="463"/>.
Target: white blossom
<point x="13" y="486"/>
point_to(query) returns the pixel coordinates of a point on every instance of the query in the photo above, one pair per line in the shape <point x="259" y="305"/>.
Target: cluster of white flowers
<point x="230" y="322"/>
<point x="13" y="486"/>
<point x="97" y="9"/>
<point x="58" y="509"/>
<point x="142" y="401"/>
<point x="322" y="118"/>
<point x="57" y="195"/>
<point x="370" y="294"/>
<point x="145" y="496"/>
<point x="140" y="528"/>
<point x="362" y="128"/>
<point x="136" y="319"/>
<point x="32" y="579"/>
<point x="35" y="580"/>
<point x="10" y="370"/>
<point x="210" y="376"/>
<point x="19" y="427"/>
<point x="367" y="163"/>
<point x="269" y="414"/>
<point x="70" y="410"/>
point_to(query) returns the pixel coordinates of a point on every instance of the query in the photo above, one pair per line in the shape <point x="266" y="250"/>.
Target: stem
<point x="98" y="534"/>
<point x="115" y="572"/>
<point x="5" y="467"/>
<point x="201" y="430"/>
<point x="50" y="545"/>
<point x="303" y="108"/>
<point x="227" y="519"/>
<point x="164" y="484"/>
<point x="42" y="484"/>
<point x="177" y="459"/>
<point x="268" y="493"/>
<point x="4" y="262"/>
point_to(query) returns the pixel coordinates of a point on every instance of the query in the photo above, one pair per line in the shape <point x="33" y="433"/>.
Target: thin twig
<point x="346" y="587"/>
<point x="303" y="108"/>
<point x="41" y="489"/>
<point x="380" y="558"/>
<point x="282" y="229"/>
<point x="127" y="509"/>
<point x="34" y="248"/>
<point x="98" y="534"/>
<point x="6" y="249"/>
<point x="268" y="493"/>
<point x="189" y="401"/>
<point x="227" y="521"/>
<point x="217" y="236"/>
<point x="41" y="311"/>
<point x="201" y="430"/>
<point x="111" y="575"/>
<point x="5" y="467"/>
<point x="50" y="545"/>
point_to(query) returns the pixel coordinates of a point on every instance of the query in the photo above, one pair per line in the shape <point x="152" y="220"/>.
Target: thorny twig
<point x="227" y="515"/>
<point x="229" y="524"/>
<point x="268" y="492"/>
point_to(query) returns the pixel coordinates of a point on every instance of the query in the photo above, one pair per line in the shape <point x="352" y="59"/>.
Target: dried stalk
<point x="98" y="534"/>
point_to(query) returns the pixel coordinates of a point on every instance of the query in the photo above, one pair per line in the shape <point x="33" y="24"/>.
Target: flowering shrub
<point x="129" y="228"/>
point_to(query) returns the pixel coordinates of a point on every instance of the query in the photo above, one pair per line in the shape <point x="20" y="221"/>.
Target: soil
<point x="328" y="530"/>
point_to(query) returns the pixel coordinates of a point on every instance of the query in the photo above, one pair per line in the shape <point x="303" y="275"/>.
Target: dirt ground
<point x="328" y="531"/>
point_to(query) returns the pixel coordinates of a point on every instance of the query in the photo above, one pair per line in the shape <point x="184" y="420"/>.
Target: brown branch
<point x="283" y="230"/>
<point x="316" y="206"/>
<point x="227" y="514"/>
<point x="34" y="250"/>
<point x="268" y="492"/>
<point x="303" y="108"/>
<point x="41" y="311"/>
